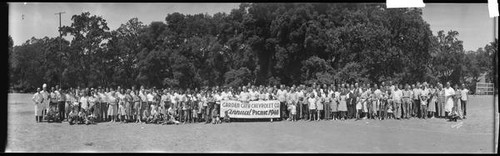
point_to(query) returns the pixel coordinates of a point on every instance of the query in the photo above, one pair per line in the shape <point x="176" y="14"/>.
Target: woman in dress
<point x="113" y="102"/>
<point x="319" y="104"/>
<point x="312" y="106"/>
<point x="343" y="104"/>
<point x="432" y="102"/>
<point x="334" y="103"/>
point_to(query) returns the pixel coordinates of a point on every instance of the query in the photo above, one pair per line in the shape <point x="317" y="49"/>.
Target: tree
<point x="88" y="49"/>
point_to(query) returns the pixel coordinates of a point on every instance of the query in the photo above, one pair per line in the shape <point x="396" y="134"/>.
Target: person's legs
<point x="464" y="108"/>
<point x="398" y="110"/>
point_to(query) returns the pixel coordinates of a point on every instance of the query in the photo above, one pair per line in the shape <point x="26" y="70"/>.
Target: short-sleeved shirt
<point x="425" y="93"/>
<point x="464" y="92"/>
<point x="84" y="102"/>
<point x="416" y="93"/>
<point x="143" y="97"/>
<point x="406" y="93"/>
<point x="150" y="97"/>
<point x="281" y="95"/>
<point x="244" y="96"/>
<point x="397" y="95"/>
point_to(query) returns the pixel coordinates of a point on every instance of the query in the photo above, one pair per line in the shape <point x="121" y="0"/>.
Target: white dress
<point x="449" y="101"/>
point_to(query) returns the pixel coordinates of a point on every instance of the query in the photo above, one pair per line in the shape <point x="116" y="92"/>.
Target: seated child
<point x="226" y="117"/>
<point x="293" y="111"/>
<point x="81" y="116"/>
<point x="390" y="114"/>
<point x="215" y="116"/>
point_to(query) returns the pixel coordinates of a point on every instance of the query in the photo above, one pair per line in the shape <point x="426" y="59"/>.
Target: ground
<point x="472" y="135"/>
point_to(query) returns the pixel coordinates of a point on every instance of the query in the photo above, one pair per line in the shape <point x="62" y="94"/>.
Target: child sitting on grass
<point x="390" y="115"/>
<point x="226" y="117"/>
<point x="73" y="115"/>
<point x="215" y="115"/>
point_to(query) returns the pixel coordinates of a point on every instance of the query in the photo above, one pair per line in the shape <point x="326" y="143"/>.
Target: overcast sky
<point x="470" y="20"/>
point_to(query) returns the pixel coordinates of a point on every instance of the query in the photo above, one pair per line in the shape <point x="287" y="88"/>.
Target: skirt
<point x="319" y="106"/>
<point x="342" y="106"/>
<point x="374" y="105"/>
<point x="112" y="109"/>
<point x="432" y="105"/>
<point x="293" y="109"/>
<point x="359" y="106"/>
<point x="365" y="106"/>
<point x="137" y="107"/>
<point x="448" y="105"/>
<point x="38" y="110"/>
<point x="121" y="110"/>
<point x="334" y="106"/>
<point x="128" y="108"/>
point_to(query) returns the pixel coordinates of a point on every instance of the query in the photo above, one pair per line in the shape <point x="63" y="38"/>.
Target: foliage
<point x="269" y="44"/>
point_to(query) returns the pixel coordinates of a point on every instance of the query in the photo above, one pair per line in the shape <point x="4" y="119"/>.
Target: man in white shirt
<point x="448" y="93"/>
<point x="38" y="99"/>
<point x="463" y="99"/>
<point x="416" y="100"/>
<point x="398" y="94"/>
<point x="424" y="97"/>
<point x="282" y="98"/>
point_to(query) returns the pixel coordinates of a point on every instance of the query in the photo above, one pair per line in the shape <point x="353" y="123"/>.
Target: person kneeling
<point x="73" y="116"/>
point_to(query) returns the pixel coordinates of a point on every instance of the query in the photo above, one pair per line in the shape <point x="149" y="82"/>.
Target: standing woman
<point x="441" y="101"/>
<point x="129" y="103"/>
<point x="457" y="102"/>
<point x="84" y="105"/>
<point x="449" y="93"/>
<point x="319" y="104"/>
<point x="113" y="102"/>
<point x="69" y="100"/>
<point x="343" y="104"/>
<point x="334" y="101"/>
<point x="432" y="102"/>
<point x="92" y="101"/>
<point x="137" y="106"/>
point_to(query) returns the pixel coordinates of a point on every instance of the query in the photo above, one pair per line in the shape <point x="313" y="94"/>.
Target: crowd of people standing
<point x="297" y="102"/>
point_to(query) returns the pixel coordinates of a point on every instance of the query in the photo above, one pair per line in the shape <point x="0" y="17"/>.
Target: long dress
<point x="334" y="104"/>
<point x="343" y="103"/>
<point x="432" y="103"/>
<point x="449" y="99"/>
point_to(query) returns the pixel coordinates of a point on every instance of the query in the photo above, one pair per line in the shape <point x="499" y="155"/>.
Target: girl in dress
<point x="432" y="102"/>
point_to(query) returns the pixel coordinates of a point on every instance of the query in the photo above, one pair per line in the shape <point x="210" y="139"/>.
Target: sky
<point x="472" y="21"/>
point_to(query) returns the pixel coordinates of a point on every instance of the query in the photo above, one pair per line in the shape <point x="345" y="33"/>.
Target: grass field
<point x="472" y="135"/>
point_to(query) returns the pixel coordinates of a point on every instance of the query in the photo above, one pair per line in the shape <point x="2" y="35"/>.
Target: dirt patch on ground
<point x="473" y="135"/>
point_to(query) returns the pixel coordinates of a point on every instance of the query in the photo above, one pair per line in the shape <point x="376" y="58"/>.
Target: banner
<point x="252" y="109"/>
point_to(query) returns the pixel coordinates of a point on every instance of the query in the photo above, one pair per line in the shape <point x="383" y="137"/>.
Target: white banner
<point x="252" y="109"/>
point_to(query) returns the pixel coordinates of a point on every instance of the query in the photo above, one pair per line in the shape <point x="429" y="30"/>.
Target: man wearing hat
<point x="46" y="100"/>
<point x="37" y="98"/>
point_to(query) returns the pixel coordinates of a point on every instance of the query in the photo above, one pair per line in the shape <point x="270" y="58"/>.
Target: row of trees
<point x="256" y="43"/>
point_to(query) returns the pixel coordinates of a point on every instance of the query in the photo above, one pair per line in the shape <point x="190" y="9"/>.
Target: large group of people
<point x="298" y="102"/>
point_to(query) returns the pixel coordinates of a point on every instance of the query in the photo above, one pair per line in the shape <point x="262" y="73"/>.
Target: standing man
<point x="398" y="94"/>
<point x="60" y="102"/>
<point x="406" y="102"/>
<point x="379" y="106"/>
<point x="416" y="100"/>
<point x="464" y="96"/>
<point x="424" y="97"/>
<point x="282" y="97"/>
<point x="38" y="99"/>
